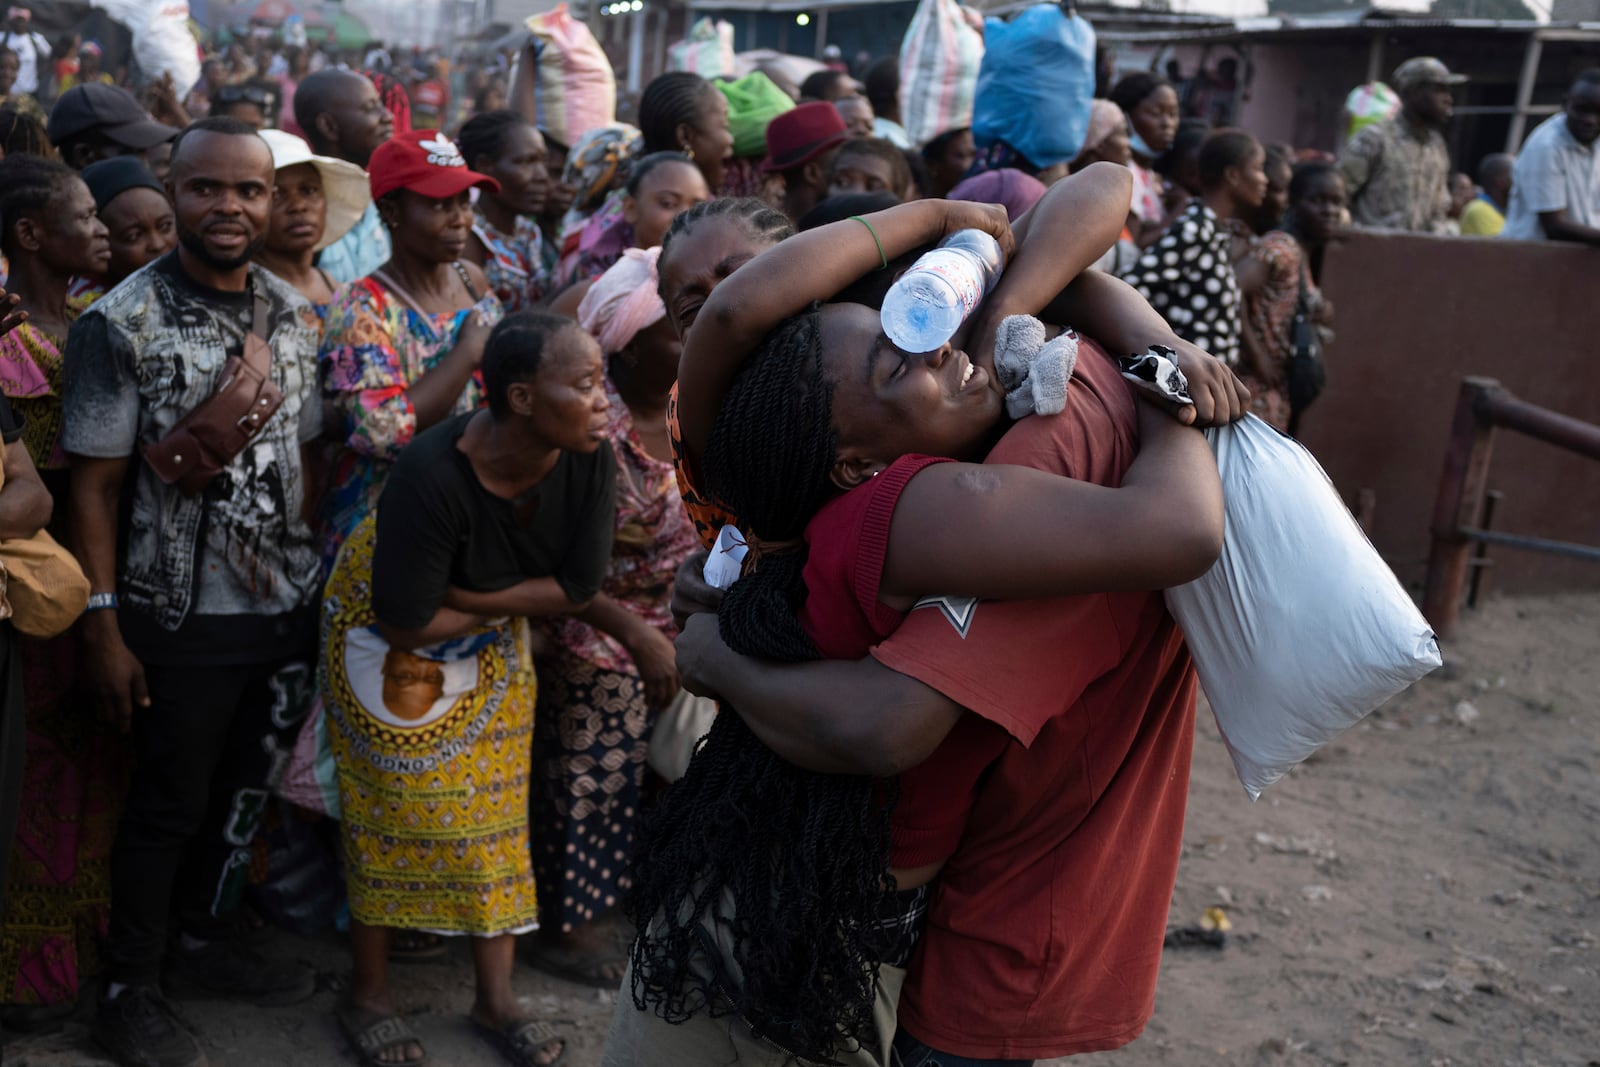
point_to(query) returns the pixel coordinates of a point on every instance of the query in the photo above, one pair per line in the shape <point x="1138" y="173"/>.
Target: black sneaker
<point x="140" y="1029"/>
<point x="225" y="970"/>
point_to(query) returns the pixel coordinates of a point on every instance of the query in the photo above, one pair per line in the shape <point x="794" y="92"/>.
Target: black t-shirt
<point x="438" y="526"/>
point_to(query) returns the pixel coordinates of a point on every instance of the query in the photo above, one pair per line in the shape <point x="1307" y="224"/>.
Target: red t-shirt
<point x="1045" y="928"/>
<point x="848" y="541"/>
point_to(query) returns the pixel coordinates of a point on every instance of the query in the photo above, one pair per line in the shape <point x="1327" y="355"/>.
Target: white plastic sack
<point x="162" y="43"/>
<point x="1301" y="629"/>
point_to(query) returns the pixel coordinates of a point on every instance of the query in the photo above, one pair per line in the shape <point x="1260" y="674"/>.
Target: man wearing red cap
<point x="800" y="145"/>
<point x="187" y="503"/>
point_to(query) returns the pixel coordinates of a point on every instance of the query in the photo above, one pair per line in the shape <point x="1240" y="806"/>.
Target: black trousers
<point x="13" y="749"/>
<point x="205" y="751"/>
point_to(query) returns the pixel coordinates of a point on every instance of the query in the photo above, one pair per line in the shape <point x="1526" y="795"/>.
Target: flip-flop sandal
<point x="417" y="946"/>
<point x="378" y="1036"/>
<point x="584" y="968"/>
<point x="521" y="1042"/>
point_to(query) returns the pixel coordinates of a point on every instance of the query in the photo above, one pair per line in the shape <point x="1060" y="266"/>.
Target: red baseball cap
<point x="427" y="163"/>
<point x="801" y="135"/>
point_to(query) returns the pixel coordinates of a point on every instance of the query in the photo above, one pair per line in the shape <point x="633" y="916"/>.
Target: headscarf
<point x="623" y="301"/>
<point x="1105" y="118"/>
<point x="1011" y="189"/>
<point x="597" y="164"/>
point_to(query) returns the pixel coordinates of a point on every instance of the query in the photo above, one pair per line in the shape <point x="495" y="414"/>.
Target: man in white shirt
<point x="1555" y="186"/>
<point x="31" y="48"/>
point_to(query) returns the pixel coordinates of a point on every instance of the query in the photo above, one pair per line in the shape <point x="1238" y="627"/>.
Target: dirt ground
<point x="1426" y="891"/>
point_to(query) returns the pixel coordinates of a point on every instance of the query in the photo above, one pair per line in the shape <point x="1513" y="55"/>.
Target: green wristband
<point x="884" y="265"/>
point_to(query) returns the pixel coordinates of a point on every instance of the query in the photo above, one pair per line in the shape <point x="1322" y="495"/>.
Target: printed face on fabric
<point x="222" y="197"/>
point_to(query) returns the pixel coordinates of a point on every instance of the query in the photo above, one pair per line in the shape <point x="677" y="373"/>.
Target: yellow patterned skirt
<point x="433" y="753"/>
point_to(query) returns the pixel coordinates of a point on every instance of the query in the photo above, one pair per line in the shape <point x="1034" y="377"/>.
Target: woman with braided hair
<point x="606" y="676"/>
<point x="682" y="112"/>
<point x="799" y="423"/>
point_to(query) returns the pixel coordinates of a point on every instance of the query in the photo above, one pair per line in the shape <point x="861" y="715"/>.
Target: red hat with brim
<point x="798" y="136"/>
<point x="427" y="163"/>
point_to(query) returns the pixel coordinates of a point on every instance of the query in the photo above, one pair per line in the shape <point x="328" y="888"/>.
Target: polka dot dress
<point x="1188" y="277"/>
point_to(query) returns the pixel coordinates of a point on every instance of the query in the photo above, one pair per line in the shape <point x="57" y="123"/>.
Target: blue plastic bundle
<point x="1035" y="85"/>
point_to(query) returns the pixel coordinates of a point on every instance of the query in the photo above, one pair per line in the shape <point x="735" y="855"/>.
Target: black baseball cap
<point x="109" y="111"/>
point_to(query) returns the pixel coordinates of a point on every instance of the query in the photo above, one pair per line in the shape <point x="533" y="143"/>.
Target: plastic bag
<point x="1036" y="84"/>
<point x="162" y="43"/>
<point x="753" y="102"/>
<point x="707" y="51"/>
<point x="1300" y="629"/>
<point x="1368" y="104"/>
<point x="310" y="781"/>
<point x="939" y="61"/>
<point x="575" y="88"/>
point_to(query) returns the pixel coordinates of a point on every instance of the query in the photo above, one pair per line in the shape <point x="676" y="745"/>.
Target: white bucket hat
<point x="344" y="184"/>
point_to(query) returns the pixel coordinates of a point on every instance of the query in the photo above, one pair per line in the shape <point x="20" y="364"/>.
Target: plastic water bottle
<point x="932" y="299"/>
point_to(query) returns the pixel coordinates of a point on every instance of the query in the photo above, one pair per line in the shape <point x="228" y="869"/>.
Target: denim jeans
<point x="909" y="1052"/>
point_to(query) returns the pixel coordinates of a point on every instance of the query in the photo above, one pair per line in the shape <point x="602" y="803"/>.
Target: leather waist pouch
<point x="207" y="438"/>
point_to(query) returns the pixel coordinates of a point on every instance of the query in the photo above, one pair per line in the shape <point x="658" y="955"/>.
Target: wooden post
<point x="1462" y="484"/>
<point x="1375" y="57"/>
<point x="1525" y="84"/>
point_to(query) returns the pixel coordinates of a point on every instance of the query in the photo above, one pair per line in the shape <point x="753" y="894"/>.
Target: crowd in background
<point x="445" y="560"/>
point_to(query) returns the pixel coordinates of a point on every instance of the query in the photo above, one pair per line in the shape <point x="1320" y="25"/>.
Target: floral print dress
<point x="374" y="347"/>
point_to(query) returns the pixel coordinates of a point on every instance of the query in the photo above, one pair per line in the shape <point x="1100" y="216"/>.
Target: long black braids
<point x="803" y="856"/>
<point x="759" y="219"/>
<point x="671" y="100"/>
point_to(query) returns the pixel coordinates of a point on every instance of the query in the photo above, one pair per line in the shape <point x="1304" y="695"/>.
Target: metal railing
<point x="1483" y="407"/>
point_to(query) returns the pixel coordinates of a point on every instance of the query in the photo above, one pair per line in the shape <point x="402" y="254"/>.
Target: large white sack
<point x="162" y="43"/>
<point x="1300" y="629"/>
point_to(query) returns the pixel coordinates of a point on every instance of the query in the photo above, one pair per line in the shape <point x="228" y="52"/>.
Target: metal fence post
<point x="1459" y="503"/>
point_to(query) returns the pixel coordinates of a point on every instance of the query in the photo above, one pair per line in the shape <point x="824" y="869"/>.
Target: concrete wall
<point x="1414" y="316"/>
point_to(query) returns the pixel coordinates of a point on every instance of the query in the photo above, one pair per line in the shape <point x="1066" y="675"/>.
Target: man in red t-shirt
<point x="1044" y="934"/>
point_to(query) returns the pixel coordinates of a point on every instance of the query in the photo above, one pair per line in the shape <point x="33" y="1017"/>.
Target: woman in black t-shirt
<point x="487" y="519"/>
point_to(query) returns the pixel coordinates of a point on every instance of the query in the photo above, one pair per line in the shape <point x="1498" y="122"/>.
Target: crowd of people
<point x="393" y="433"/>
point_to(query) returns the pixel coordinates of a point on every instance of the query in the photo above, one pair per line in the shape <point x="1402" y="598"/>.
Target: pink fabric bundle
<point x="623" y="300"/>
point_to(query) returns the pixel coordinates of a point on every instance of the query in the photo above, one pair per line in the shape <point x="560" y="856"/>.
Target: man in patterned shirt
<point x="1398" y="170"/>
<point x="202" y="627"/>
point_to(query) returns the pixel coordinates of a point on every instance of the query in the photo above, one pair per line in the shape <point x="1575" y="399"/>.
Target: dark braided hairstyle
<point x="27" y="186"/>
<point x="669" y="101"/>
<point x="759" y="219"/>
<point x="484" y="136"/>
<point x="803" y="856"/>
<point x="22" y="134"/>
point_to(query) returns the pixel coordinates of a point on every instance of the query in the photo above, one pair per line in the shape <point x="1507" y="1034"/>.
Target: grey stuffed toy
<point x="1034" y="373"/>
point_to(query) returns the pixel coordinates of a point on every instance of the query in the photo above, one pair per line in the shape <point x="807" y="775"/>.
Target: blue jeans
<point x="909" y="1052"/>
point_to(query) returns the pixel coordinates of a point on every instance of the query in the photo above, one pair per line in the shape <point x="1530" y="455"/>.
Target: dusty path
<point x="1425" y="892"/>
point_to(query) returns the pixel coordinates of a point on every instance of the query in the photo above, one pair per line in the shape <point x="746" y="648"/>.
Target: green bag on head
<point x="753" y="101"/>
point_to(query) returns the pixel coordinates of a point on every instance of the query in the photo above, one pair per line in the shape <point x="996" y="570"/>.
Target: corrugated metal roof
<point x="1272" y="28"/>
